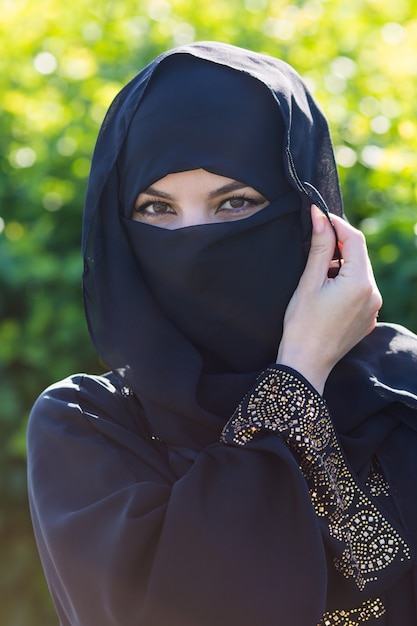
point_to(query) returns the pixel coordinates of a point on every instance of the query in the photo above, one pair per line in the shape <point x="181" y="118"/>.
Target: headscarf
<point x="189" y="318"/>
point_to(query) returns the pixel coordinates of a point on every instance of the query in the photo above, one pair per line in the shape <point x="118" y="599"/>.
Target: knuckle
<point x="368" y="298"/>
<point x="361" y="237"/>
<point x="364" y="290"/>
<point x="378" y="300"/>
<point x="318" y="248"/>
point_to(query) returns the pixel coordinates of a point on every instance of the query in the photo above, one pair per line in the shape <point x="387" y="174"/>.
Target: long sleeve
<point x="368" y="554"/>
<point x="233" y="541"/>
<point x="237" y="539"/>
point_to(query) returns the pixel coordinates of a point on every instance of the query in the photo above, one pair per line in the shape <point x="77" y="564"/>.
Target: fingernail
<point x="318" y="219"/>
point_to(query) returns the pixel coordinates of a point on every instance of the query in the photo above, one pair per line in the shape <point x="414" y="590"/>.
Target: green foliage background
<point x="61" y="65"/>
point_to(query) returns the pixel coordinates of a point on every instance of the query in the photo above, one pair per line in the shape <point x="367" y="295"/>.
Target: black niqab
<point x="235" y="114"/>
<point x="212" y="281"/>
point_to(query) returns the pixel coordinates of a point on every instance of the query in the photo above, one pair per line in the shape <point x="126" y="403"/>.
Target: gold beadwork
<point x="354" y="617"/>
<point x="375" y="481"/>
<point x="284" y="404"/>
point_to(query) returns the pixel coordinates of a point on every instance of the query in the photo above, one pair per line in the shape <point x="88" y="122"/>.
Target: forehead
<point x="195" y="183"/>
<point x="198" y="178"/>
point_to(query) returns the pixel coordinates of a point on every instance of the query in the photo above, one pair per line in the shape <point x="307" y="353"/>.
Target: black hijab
<point x="198" y="312"/>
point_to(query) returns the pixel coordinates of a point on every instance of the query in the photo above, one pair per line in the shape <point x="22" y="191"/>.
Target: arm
<point x="123" y="543"/>
<point x="241" y="538"/>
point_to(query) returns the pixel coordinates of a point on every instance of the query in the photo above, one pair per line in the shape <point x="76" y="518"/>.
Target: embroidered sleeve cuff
<point x="281" y="394"/>
<point x="370" y="549"/>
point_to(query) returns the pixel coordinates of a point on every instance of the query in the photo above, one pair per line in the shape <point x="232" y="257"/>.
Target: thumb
<point x="321" y="249"/>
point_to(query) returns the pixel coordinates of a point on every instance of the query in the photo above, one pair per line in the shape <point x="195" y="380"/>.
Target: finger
<point x="321" y="249"/>
<point x="356" y="263"/>
<point x="353" y="247"/>
<point x="350" y="239"/>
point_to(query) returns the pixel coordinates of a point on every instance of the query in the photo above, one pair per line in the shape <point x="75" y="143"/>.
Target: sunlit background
<point x="61" y="64"/>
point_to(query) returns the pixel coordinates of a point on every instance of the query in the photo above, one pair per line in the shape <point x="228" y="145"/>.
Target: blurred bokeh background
<point x="61" y="65"/>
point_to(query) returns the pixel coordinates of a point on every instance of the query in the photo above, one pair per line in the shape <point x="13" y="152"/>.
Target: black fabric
<point x="134" y="532"/>
<point x="371" y="395"/>
<point x="199" y="393"/>
<point x="142" y="517"/>
<point x="212" y="282"/>
<point x="192" y="116"/>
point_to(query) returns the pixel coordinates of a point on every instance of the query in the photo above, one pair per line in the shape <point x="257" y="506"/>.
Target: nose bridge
<point x="194" y="213"/>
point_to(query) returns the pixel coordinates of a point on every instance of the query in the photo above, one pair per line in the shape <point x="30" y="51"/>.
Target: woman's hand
<point x="326" y="317"/>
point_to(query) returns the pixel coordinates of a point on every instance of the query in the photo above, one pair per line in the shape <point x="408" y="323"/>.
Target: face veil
<point x="188" y="318"/>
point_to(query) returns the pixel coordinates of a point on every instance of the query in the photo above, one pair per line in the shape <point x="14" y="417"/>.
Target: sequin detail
<point x="355" y="617"/>
<point x="284" y="404"/>
<point x="376" y="482"/>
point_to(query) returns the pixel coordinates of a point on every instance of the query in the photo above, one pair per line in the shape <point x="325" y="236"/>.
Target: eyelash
<point x="246" y="199"/>
<point x="142" y="207"/>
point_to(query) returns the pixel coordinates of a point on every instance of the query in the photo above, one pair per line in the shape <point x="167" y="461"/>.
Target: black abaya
<point x="158" y="495"/>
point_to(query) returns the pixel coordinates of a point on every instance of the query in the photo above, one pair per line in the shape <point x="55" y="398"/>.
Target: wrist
<point x="306" y="363"/>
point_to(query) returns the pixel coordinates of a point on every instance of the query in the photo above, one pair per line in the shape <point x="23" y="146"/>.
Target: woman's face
<point x="196" y="197"/>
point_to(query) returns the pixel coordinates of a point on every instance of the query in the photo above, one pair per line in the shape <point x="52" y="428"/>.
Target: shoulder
<point x="387" y="345"/>
<point x="86" y="419"/>
<point x="104" y="384"/>
<point x="83" y="391"/>
<point x="397" y="336"/>
<point x="85" y="402"/>
<point x="384" y="363"/>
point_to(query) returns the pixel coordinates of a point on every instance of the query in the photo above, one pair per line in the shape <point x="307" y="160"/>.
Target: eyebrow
<point x="153" y="191"/>
<point x="233" y="186"/>
<point x="220" y="191"/>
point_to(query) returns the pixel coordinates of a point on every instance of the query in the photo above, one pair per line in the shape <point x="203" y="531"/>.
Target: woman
<point x="250" y="458"/>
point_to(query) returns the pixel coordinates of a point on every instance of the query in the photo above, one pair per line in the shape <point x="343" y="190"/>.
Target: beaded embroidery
<point x="376" y="482"/>
<point x="355" y="617"/>
<point x="284" y="404"/>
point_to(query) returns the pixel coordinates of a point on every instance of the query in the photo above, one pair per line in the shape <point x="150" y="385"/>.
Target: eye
<point x="238" y="204"/>
<point x="153" y="208"/>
